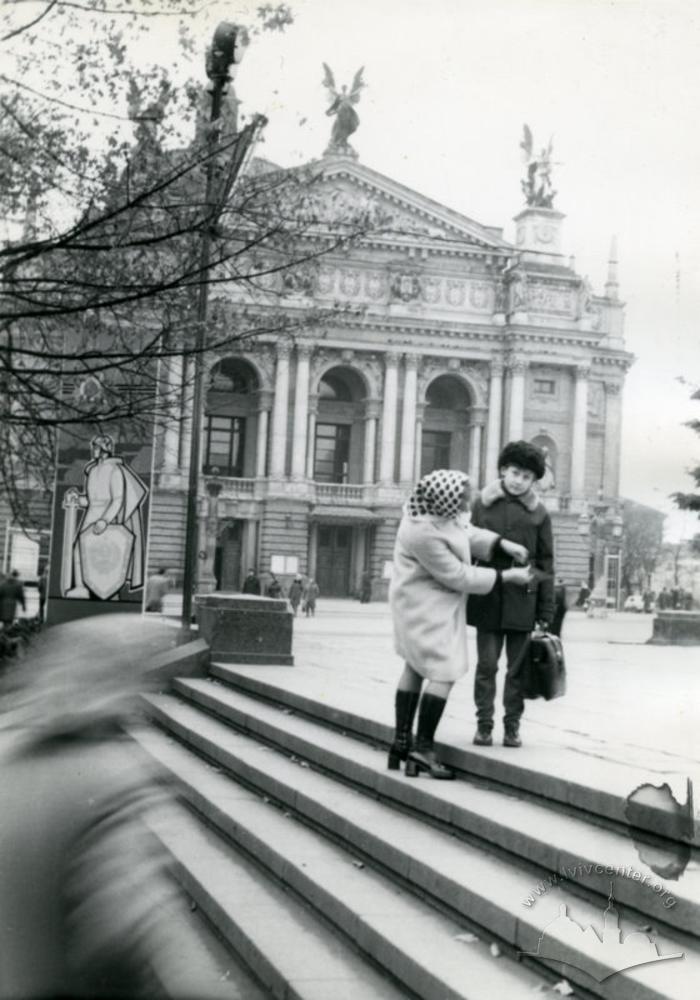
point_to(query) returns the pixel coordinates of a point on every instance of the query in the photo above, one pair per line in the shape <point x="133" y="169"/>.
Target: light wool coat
<point x="432" y="575"/>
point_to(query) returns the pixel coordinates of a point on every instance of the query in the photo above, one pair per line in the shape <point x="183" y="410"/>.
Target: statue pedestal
<point x="245" y="629"/>
<point x="676" y="628"/>
<point x="538" y="235"/>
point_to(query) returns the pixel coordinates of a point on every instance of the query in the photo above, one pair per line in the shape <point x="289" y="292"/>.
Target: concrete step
<point x="294" y="955"/>
<point x="478" y="889"/>
<point x="562" y="846"/>
<point x="417" y="945"/>
<point x="562" y="778"/>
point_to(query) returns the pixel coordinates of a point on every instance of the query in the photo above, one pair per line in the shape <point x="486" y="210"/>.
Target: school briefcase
<point x="543" y="673"/>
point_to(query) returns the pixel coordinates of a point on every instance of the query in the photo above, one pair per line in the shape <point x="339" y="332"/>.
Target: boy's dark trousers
<point x="489" y="646"/>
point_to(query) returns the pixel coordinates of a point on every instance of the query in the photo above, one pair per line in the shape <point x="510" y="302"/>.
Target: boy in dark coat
<point x="510" y="507"/>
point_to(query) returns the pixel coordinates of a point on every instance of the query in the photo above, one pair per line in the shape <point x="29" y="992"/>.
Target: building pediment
<point x="411" y="217"/>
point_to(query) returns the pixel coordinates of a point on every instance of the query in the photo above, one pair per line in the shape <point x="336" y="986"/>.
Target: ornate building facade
<point x="449" y="341"/>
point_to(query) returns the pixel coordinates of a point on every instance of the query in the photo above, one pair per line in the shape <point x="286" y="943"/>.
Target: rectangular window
<point x="332" y="453"/>
<point x="545" y="386"/>
<point x="435" y="451"/>
<point x="223" y="445"/>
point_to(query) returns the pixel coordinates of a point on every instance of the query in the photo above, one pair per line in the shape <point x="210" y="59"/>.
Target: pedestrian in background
<point x="11" y="595"/>
<point x="506" y="616"/>
<point x="432" y="575"/>
<point x="311" y="592"/>
<point x="157" y="586"/>
<point x="251" y="584"/>
<point x="274" y="587"/>
<point x="560" y="606"/>
<point x="366" y="588"/>
<point x="42" y="587"/>
<point x="296" y="590"/>
<point x="85" y="893"/>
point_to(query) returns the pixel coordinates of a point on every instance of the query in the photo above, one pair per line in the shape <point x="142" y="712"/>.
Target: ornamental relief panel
<point x="596" y="401"/>
<point x="327" y="277"/>
<point x="350" y="283"/>
<point x="548" y="298"/>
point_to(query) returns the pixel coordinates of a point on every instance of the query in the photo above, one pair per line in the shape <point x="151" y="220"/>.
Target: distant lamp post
<point x="226" y="52"/>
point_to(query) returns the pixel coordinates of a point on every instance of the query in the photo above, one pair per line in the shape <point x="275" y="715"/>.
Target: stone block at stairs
<point x="245" y="629"/>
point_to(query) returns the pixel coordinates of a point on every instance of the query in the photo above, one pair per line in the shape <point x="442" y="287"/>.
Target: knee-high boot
<point x="422" y="757"/>
<point x="405" y="704"/>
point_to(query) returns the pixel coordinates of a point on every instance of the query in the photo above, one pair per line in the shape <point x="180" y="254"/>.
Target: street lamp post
<point x="227" y="48"/>
<point x="605" y="528"/>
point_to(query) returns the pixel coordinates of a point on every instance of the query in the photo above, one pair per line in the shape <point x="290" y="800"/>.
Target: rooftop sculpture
<point x="537" y="183"/>
<point x="342" y="107"/>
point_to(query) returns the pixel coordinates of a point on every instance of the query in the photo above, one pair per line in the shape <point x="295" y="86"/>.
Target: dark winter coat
<point x="251" y="584"/>
<point x="524" y="520"/>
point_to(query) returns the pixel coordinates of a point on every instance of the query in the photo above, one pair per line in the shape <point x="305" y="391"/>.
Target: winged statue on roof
<point x="537" y="183"/>
<point x="342" y="107"/>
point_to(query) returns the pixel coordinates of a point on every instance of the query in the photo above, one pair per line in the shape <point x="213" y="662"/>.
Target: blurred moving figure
<point x="157" y="586"/>
<point x="84" y="886"/>
<point x="11" y="594"/>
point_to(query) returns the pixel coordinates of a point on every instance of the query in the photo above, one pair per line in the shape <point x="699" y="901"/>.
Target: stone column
<point x="476" y="431"/>
<point x="386" y="461"/>
<point x="264" y="407"/>
<point x="408" y="421"/>
<point x="516" y="398"/>
<point x="579" y="430"/>
<point x="279" y="413"/>
<point x="613" y="431"/>
<point x="311" y="435"/>
<point x="420" y="413"/>
<point x="173" y="406"/>
<point x="493" y="430"/>
<point x="313" y="548"/>
<point x="301" y="412"/>
<point x="370" y="450"/>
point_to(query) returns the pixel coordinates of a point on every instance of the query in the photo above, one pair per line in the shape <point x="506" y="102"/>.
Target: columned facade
<point x="438" y="360"/>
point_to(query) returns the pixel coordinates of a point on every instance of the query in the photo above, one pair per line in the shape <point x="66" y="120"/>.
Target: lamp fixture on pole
<point x="226" y="51"/>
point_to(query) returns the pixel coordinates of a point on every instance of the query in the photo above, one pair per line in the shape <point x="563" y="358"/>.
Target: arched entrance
<point x="445" y="436"/>
<point x="228" y="444"/>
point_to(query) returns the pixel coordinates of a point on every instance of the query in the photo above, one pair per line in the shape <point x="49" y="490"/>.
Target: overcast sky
<point x="450" y="84"/>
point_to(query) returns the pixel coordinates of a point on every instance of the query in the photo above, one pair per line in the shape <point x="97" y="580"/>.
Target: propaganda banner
<point x="100" y="523"/>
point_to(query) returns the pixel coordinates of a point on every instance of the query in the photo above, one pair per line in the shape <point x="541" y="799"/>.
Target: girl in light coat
<point x="432" y="575"/>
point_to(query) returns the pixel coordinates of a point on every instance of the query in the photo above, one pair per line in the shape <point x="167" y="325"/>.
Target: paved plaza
<point x="627" y="702"/>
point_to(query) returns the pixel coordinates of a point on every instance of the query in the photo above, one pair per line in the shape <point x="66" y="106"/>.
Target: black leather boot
<point x="405" y="704"/>
<point x="422" y="757"/>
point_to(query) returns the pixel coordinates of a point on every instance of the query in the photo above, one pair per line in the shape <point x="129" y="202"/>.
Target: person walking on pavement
<point x="274" y="588"/>
<point x="295" y="591"/>
<point x="42" y="587"/>
<point x="311" y="592"/>
<point x="432" y="574"/>
<point x="509" y="506"/>
<point x="251" y="584"/>
<point x="11" y="595"/>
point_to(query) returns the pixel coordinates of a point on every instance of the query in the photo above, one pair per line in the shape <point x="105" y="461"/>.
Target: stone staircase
<point x="331" y="878"/>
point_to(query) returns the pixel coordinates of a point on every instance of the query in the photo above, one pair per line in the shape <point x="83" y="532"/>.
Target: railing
<point x="339" y="493"/>
<point x="236" y="487"/>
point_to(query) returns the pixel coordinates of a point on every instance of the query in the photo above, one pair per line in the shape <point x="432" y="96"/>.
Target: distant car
<point x="634" y="602"/>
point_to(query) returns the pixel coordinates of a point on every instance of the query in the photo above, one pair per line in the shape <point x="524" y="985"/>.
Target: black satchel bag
<point x="543" y="672"/>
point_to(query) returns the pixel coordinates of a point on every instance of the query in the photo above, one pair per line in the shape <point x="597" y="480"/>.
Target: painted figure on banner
<point x="105" y="549"/>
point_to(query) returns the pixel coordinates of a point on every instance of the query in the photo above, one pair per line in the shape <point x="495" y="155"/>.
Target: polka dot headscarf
<point x="439" y="493"/>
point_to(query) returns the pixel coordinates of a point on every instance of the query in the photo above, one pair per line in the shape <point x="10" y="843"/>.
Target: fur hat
<point x="525" y="455"/>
